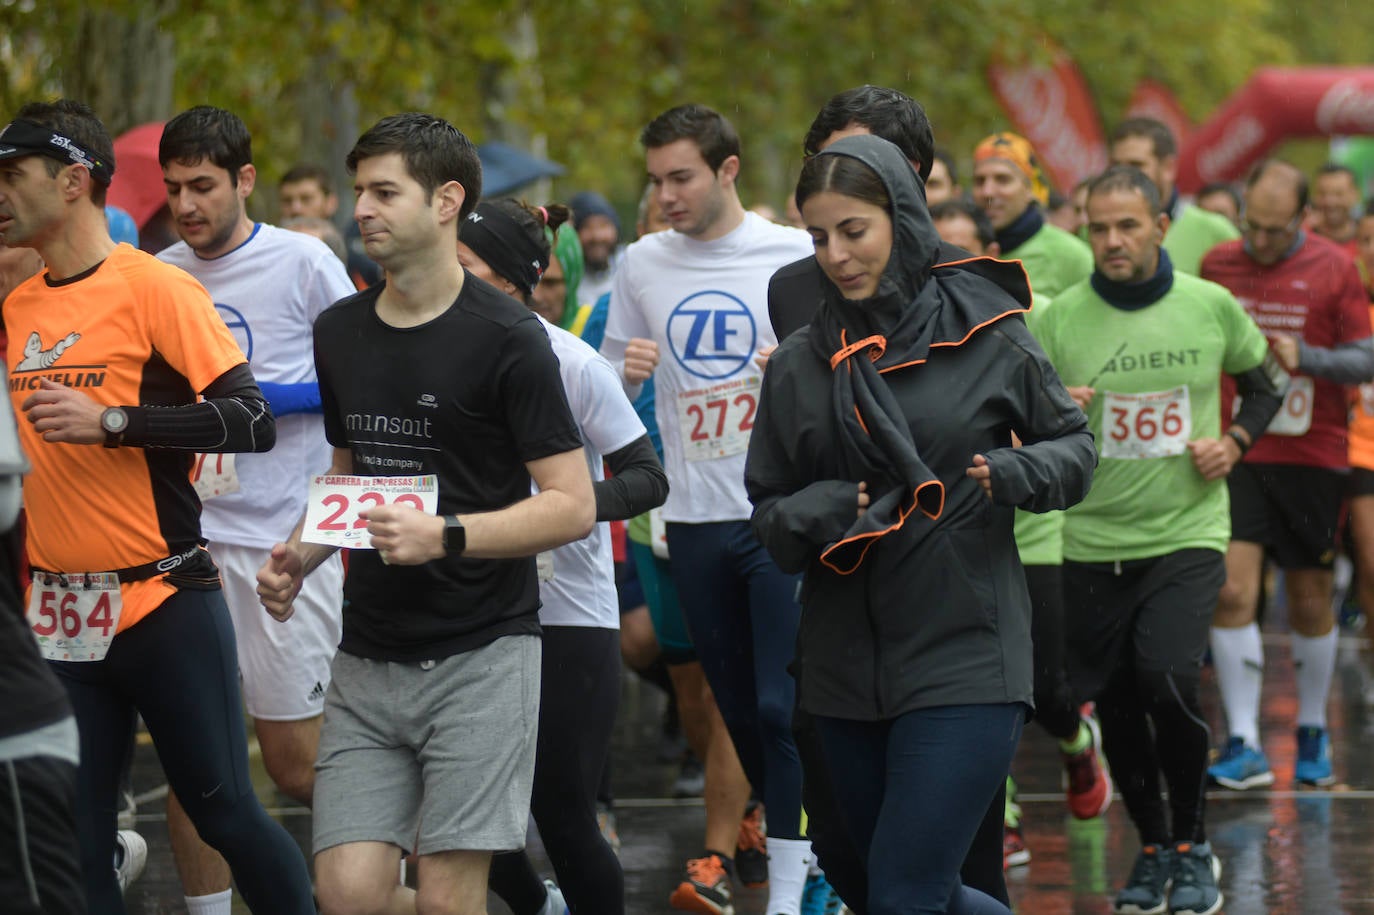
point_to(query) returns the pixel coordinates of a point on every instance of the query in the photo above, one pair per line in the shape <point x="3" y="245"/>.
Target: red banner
<point x="137" y="188"/>
<point x="1153" y="99"/>
<point x="1052" y="107"/>
<point x="1276" y="104"/>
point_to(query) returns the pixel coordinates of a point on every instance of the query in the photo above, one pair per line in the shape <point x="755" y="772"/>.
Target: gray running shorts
<point x="433" y="756"/>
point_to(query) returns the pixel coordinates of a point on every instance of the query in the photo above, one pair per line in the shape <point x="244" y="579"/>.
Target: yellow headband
<point x="1018" y="151"/>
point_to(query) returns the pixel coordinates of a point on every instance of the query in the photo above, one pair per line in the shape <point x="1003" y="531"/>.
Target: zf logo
<point x="712" y="334"/>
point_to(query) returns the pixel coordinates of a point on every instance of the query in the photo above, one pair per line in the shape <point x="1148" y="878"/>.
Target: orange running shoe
<point x="751" y="853"/>
<point x="706" y="889"/>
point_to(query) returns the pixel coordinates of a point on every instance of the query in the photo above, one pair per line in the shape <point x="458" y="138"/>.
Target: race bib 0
<point x="716" y="421"/>
<point x="1295" y="416"/>
<point x="74" y="617"/>
<point x="331" y="515"/>
<point x="1152" y="425"/>
<point x="214" y="475"/>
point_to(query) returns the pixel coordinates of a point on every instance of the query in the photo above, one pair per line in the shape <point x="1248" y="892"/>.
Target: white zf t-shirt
<point x="706" y="305"/>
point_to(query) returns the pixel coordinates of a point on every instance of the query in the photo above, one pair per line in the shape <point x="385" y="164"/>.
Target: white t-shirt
<point x="582" y="590"/>
<point x="269" y="290"/>
<point x="706" y="305"/>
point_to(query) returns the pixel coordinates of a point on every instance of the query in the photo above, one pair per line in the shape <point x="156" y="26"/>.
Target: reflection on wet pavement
<point x="1282" y="850"/>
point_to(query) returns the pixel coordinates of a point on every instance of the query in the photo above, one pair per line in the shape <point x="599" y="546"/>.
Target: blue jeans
<point x="742" y="613"/>
<point x="913" y="790"/>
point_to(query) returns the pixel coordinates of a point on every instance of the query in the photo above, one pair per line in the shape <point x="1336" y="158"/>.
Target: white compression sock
<point x="214" y="904"/>
<point x="1238" y="658"/>
<point x="1314" y="662"/>
<point x="788" y="861"/>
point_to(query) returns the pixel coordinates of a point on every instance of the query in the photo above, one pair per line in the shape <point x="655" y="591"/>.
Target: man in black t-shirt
<point x="429" y="729"/>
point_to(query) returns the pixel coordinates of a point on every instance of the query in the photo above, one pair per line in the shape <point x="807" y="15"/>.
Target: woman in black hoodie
<point x="882" y="465"/>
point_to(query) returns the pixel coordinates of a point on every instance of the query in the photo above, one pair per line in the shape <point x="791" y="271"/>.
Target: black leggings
<point x="1138" y="630"/>
<point x="178" y="668"/>
<point x="578" y="699"/>
<point x="1054" y="706"/>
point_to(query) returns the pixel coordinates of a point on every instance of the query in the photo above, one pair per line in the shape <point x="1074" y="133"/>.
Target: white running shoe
<point x="555" y="904"/>
<point x="131" y="856"/>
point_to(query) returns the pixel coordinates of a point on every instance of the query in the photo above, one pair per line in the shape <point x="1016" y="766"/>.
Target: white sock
<point x="788" y="861"/>
<point x="1343" y="575"/>
<point x="1238" y="658"/>
<point x="214" y="904"/>
<point x="1314" y="662"/>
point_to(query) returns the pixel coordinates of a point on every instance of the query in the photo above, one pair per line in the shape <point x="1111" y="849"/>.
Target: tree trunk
<point x="122" y="66"/>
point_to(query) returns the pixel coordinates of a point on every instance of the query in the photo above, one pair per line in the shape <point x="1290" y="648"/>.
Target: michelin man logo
<point x="35" y="357"/>
<point x="712" y="334"/>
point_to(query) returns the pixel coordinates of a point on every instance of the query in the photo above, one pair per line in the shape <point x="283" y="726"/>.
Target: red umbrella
<point x="137" y="186"/>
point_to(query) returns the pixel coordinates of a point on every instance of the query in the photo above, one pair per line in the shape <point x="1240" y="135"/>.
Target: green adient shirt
<point x="1054" y="260"/>
<point x="1157" y="374"/>
<point x="1193" y="234"/>
<point x="1039" y="538"/>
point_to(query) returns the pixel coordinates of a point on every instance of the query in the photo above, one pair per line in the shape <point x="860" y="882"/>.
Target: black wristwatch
<point x="455" y="536"/>
<point x="114" y="421"/>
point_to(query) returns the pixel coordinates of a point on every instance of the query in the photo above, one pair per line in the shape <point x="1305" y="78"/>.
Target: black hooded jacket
<point x="920" y="602"/>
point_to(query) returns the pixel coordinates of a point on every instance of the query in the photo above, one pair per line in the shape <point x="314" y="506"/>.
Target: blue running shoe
<point x="1147" y="889"/>
<point x="1240" y="767"/>
<point x="1314" y="757"/>
<point x="819" y="897"/>
<point x="1193" y="890"/>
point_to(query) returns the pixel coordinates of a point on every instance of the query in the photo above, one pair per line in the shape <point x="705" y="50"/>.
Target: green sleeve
<point x="1036" y="316"/>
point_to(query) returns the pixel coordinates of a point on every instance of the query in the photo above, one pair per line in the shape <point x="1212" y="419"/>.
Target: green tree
<point x="577" y="79"/>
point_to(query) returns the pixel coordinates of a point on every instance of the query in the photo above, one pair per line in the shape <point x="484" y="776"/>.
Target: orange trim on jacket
<point x="873" y="536"/>
<point x="878" y="341"/>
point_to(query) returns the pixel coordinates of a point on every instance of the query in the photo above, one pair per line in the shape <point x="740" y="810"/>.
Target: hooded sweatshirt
<point x="920" y="602"/>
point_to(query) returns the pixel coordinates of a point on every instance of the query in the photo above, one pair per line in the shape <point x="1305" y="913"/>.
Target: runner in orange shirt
<point x="110" y="347"/>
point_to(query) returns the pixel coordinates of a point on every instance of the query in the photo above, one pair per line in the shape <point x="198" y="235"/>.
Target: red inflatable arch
<point x="1277" y="103"/>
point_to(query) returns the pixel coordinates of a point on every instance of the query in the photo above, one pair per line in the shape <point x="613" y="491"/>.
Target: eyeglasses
<point x="1249" y="228"/>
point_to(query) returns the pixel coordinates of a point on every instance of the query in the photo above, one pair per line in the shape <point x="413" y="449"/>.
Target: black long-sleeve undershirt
<point x="1261" y="390"/>
<point x="637" y="482"/>
<point x="234" y="416"/>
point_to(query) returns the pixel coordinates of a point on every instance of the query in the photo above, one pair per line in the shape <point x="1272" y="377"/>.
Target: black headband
<point x="508" y="249"/>
<point x="25" y="138"/>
